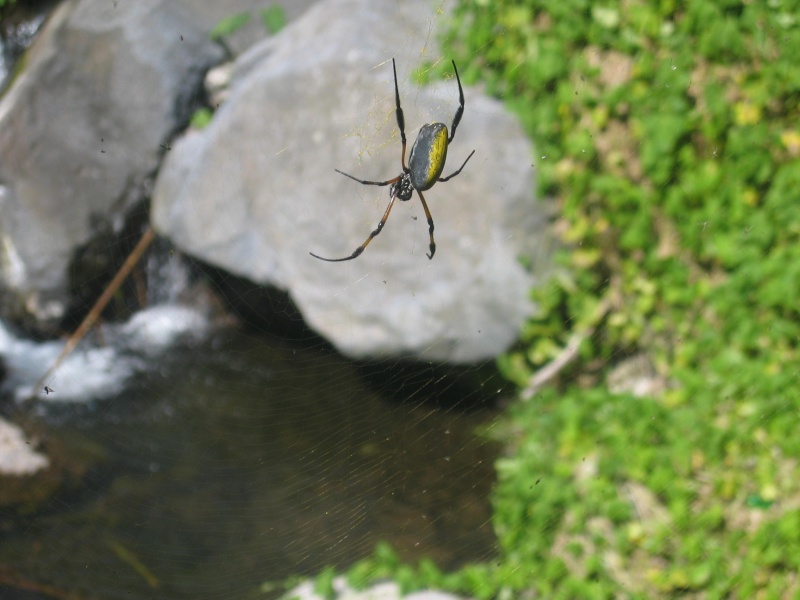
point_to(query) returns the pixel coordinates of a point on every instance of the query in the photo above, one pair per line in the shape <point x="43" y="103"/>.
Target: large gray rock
<point x="81" y="128"/>
<point x="256" y="190"/>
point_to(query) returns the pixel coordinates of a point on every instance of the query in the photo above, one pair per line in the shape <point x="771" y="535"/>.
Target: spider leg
<point x="430" y="225"/>
<point x="459" y="169"/>
<point x="460" y="111"/>
<point x="401" y="122"/>
<point x="374" y="233"/>
<point x="365" y="182"/>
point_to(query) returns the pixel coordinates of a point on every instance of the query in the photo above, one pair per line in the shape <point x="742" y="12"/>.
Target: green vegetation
<point x="229" y="25"/>
<point x="273" y="18"/>
<point x="201" y="118"/>
<point x="669" y="134"/>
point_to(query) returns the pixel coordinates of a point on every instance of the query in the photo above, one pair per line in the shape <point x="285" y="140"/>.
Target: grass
<point x="668" y="135"/>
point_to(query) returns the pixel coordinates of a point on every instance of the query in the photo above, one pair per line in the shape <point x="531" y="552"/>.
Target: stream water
<point x="239" y="459"/>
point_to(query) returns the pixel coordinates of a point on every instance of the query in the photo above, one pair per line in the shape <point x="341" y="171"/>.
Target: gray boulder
<point x="256" y="190"/>
<point x="81" y="128"/>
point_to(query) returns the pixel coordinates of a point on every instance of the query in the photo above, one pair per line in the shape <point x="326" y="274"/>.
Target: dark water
<point x="244" y="461"/>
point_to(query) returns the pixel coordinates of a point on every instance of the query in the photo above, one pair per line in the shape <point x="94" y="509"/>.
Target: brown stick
<point x="14" y="580"/>
<point x="98" y="307"/>
<point x="570" y="352"/>
<point x="549" y="371"/>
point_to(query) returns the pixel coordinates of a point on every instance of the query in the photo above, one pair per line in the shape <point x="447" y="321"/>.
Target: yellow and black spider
<point x="425" y="164"/>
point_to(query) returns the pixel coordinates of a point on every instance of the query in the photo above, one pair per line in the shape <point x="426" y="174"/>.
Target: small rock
<point x="17" y="457"/>
<point x="387" y="590"/>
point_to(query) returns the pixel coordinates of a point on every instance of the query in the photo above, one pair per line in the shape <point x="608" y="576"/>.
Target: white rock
<point x="387" y="590"/>
<point x="16" y="455"/>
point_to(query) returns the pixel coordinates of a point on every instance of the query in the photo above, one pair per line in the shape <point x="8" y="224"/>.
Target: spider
<point x="425" y="164"/>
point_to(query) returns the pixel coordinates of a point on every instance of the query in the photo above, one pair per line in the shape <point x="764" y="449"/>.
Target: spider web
<point x="223" y="455"/>
<point x="195" y="456"/>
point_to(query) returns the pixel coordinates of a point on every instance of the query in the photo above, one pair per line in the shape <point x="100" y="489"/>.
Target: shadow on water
<point x="246" y="460"/>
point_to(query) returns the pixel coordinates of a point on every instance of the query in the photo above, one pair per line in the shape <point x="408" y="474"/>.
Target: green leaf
<point x="273" y="18"/>
<point x="201" y="118"/>
<point x="229" y="25"/>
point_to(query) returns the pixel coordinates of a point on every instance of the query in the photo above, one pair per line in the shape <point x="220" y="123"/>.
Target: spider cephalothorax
<point x="402" y="188"/>
<point x="425" y="165"/>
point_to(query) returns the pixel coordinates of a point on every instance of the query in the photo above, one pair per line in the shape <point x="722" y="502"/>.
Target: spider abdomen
<point x="428" y="155"/>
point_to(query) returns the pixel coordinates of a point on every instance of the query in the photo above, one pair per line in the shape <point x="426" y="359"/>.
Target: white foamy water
<point x="93" y="372"/>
